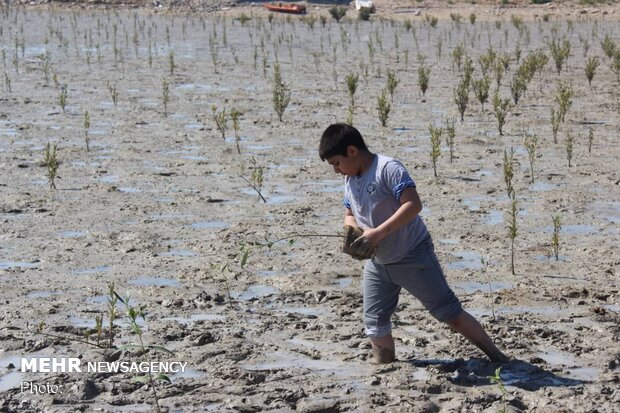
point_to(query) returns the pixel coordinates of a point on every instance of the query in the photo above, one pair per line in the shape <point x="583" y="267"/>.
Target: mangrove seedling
<point x="435" y="134"/>
<point x="481" y="89"/>
<point x="569" y="146"/>
<point x="62" y="98"/>
<point x="220" y="120"/>
<point x="500" y="109"/>
<point x="352" y="81"/>
<point x="281" y="92"/>
<point x="555" y="124"/>
<point x="51" y="163"/>
<point x="496" y="379"/>
<point x="165" y="94"/>
<point x="461" y="97"/>
<point x="508" y="168"/>
<point x="450" y="135"/>
<point x="234" y="116"/>
<point x="86" y="128"/>
<point x="383" y="108"/>
<point x="590" y="139"/>
<point x="530" y="143"/>
<point x="559" y="52"/>
<point x="113" y="93"/>
<point x="555" y="237"/>
<point x="591" y="65"/>
<point x="457" y="57"/>
<point x="423" y="78"/>
<point x="391" y="83"/>
<point x="171" y="64"/>
<point x="563" y="96"/>
<point x="256" y="178"/>
<point x="512" y="229"/>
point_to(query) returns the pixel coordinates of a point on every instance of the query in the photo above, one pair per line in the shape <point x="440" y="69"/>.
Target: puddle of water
<point x="129" y="190"/>
<point x="8" y="132"/>
<point x="209" y="225"/>
<point x="178" y="253"/>
<point x="154" y="281"/>
<point x="494" y="217"/>
<point x="72" y="234"/>
<point x="109" y="179"/>
<point x="609" y="211"/>
<point x="194" y="126"/>
<point x="541" y="186"/>
<point x="95" y="270"/>
<point x="194" y="158"/>
<point x="42" y="294"/>
<point x="280" y="199"/>
<point x="254" y="292"/>
<point x="344" y="282"/>
<point x="333" y="185"/>
<point x="420" y="374"/>
<point x="90" y="323"/>
<point x="577" y="229"/>
<point x="13" y="378"/>
<point x="473" y="202"/>
<point x="474" y="286"/>
<point x="449" y="241"/>
<point x="165" y="200"/>
<point x="612" y="307"/>
<point x="259" y="147"/>
<point x="484" y="172"/>
<point x="469" y="260"/>
<point x="97" y="299"/>
<point x="16" y="264"/>
<point x="550" y="258"/>
<point x="188" y="374"/>
<point x="584" y="373"/>
<point x="300" y="310"/>
<point x="558" y="358"/>
<point x="196" y="317"/>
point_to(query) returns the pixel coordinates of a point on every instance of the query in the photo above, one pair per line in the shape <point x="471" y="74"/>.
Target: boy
<point x="380" y="198"/>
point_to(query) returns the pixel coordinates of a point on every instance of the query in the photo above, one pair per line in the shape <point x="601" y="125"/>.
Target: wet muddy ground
<point x="159" y="208"/>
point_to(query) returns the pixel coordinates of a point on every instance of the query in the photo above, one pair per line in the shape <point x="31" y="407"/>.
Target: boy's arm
<point x="410" y="207"/>
<point x="349" y="219"/>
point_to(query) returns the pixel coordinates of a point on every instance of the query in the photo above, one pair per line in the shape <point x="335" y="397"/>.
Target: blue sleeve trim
<point x="346" y="203"/>
<point x="398" y="189"/>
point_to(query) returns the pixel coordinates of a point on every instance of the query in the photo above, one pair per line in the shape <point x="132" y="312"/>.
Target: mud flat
<point x="157" y="207"/>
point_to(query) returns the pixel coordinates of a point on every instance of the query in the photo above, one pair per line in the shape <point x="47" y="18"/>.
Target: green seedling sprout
<point x="281" y="92"/>
<point x="133" y="314"/>
<point x="220" y="120"/>
<point x="112" y="89"/>
<point x="337" y="12"/>
<point x="86" y="128"/>
<point x="391" y="83"/>
<point x="512" y="228"/>
<point x="435" y="135"/>
<point x="590" y="139"/>
<point x="165" y="96"/>
<point x="112" y="299"/>
<point x="569" y="146"/>
<point x="559" y="52"/>
<point x="256" y="178"/>
<point x="555" y="124"/>
<point x="383" y="108"/>
<point x="51" y="163"/>
<point x="62" y="98"/>
<point x="496" y="379"/>
<point x="591" y="65"/>
<point x="555" y="237"/>
<point x="424" y="73"/>
<point x="461" y="97"/>
<point x="472" y="18"/>
<point x="500" y="109"/>
<point x="484" y="266"/>
<point x="609" y="46"/>
<point x="171" y="64"/>
<point x="234" y="117"/>
<point x="468" y="72"/>
<point x="563" y="96"/>
<point x="531" y="143"/>
<point x="508" y="169"/>
<point x="457" y="57"/>
<point x="481" y="89"/>
<point x="450" y="130"/>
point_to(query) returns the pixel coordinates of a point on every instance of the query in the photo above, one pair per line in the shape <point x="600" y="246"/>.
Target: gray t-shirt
<point x="374" y="197"/>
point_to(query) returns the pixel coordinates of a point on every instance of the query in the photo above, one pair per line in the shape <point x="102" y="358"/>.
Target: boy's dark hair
<point x="337" y="138"/>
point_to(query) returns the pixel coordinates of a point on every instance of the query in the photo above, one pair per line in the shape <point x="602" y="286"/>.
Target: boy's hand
<point x="356" y="244"/>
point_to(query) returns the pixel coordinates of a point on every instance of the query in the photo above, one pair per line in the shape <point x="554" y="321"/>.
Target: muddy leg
<point x="383" y="349"/>
<point x="469" y="327"/>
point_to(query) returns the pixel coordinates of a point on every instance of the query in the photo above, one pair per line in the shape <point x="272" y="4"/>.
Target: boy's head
<point x="337" y="138"/>
<point x="343" y="147"/>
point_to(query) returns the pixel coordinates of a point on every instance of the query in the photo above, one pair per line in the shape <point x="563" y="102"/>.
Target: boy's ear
<point x="352" y="150"/>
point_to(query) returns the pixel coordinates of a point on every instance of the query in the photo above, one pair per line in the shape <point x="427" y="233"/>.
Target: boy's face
<point x="346" y="165"/>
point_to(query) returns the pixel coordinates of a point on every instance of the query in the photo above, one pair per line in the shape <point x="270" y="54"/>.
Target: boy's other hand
<point x="356" y="244"/>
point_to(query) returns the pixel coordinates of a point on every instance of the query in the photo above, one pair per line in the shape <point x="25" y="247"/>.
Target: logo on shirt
<point x="371" y="188"/>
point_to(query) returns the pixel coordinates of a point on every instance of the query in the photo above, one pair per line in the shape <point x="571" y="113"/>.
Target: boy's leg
<point x="471" y="329"/>
<point x="383" y="350"/>
<point x="380" y="300"/>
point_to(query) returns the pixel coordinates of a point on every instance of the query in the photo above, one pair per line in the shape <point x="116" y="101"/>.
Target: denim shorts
<point x="421" y="275"/>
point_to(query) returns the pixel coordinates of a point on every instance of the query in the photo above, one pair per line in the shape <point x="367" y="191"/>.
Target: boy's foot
<point x="383" y="355"/>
